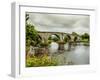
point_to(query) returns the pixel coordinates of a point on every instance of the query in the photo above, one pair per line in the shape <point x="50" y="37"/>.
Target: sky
<point x="67" y="23"/>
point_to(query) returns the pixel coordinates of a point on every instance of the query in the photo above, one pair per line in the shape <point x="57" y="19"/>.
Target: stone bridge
<point x="46" y="35"/>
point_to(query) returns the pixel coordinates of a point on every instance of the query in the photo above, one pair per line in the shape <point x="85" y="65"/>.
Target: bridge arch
<point x="54" y="37"/>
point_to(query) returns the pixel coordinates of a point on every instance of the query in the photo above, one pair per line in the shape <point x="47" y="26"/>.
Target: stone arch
<point x="39" y="37"/>
<point x="57" y="37"/>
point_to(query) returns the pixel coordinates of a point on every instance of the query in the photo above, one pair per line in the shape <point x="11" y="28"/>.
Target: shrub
<point x="40" y="61"/>
<point x="44" y="44"/>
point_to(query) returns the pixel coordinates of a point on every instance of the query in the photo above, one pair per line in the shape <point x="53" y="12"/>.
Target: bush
<point x="40" y="61"/>
<point x="44" y="44"/>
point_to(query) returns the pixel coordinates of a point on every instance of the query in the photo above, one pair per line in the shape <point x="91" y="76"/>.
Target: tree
<point x="27" y="17"/>
<point x="32" y="35"/>
<point x="85" y="36"/>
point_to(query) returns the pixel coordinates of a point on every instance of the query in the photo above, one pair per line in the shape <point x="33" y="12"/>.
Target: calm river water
<point x="78" y="55"/>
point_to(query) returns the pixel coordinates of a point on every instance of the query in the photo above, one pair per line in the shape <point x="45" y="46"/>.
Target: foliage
<point x="65" y="39"/>
<point x="40" y="61"/>
<point x="31" y="33"/>
<point x="27" y="17"/>
<point x="49" y="41"/>
<point x="44" y="44"/>
<point x="75" y="38"/>
<point x="54" y="37"/>
<point x="74" y="34"/>
<point x="85" y="37"/>
<point x="32" y="37"/>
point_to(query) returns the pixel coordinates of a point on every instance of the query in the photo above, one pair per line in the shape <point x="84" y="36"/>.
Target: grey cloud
<point x="61" y="23"/>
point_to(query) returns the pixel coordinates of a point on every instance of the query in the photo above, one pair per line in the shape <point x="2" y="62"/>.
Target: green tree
<point x="85" y="36"/>
<point x="27" y="17"/>
<point x="32" y="36"/>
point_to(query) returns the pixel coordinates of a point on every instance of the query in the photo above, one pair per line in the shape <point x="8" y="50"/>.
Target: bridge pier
<point x="61" y="46"/>
<point x="69" y="46"/>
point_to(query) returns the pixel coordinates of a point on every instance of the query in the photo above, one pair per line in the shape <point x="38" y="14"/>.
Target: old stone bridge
<point x="46" y="35"/>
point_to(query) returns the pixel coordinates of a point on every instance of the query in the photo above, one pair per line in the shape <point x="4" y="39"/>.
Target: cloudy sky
<point x="60" y="22"/>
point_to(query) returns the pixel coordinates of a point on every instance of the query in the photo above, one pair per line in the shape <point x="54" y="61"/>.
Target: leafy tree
<point x="32" y="36"/>
<point x="27" y="17"/>
<point x="85" y="36"/>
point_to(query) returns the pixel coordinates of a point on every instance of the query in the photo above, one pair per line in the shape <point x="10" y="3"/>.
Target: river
<point x="78" y="55"/>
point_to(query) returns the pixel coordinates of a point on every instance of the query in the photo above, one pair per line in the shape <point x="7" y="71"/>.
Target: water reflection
<point x="77" y="55"/>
